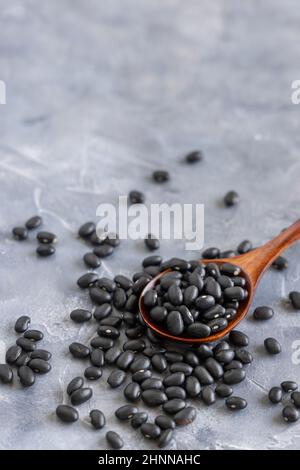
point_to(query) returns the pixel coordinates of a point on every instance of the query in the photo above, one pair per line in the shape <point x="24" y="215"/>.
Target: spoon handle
<point x="257" y="261"/>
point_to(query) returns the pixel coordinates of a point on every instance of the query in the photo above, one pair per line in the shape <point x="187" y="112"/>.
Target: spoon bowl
<point x="252" y="264"/>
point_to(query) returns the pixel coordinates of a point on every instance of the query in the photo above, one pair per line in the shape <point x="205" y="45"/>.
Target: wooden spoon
<point x="253" y="264"/>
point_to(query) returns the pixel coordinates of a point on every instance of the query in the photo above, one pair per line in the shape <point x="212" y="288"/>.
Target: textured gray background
<point x="98" y="95"/>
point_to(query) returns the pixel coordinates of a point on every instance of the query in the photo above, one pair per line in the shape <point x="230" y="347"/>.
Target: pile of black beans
<point x="25" y="356"/>
<point x="46" y="240"/>
<point x="194" y="300"/>
<point x="287" y="394"/>
<point x="151" y="373"/>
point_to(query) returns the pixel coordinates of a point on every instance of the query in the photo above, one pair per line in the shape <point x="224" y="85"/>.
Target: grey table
<point x="99" y="94"/>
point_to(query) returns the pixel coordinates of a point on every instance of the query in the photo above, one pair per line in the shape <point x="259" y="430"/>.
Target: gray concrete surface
<point x="99" y="94"/>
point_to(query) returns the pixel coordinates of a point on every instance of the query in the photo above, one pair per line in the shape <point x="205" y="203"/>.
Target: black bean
<point x="194" y="157"/>
<point x="113" y="239"/>
<point x="175" y="295"/>
<point x="154" y="397"/>
<point x="34" y="335"/>
<point x="102" y="311"/>
<point x="136" y="197"/>
<point x="196" y="280"/>
<point x="130" y="318"/>
<point x="280" y="263"/>
<point x="205" y="378"/>
<point x="289" y="386"/>
<point x="106" y="284"/>
<point x="181" y="367"/>
<point x="208" y="395"/>
<point x="93" y="373"/>
<point x="112" y="354"/>
<point x="204" y="351"/>
<point x="230" y="313"/>
<point x="212" y="288"/>
<point x="225" y="356"/>
<point x="91" y="260"/>
<point x="33" y="222"/>
<point x="12" y="354"/>
<point x="160" y="176"/>
<point x="190" y="294"/>
<point x="150" y="430"/>
<point x="126" y="412"/>
<point x="132" y="391"/>
<point x="119" y="298"/>
<point x="80" y="315"/>
<point x="123" y="282"/>
<point x="177" y="378"/>
<point x="139" y="285"/>
<point x="107" y="331"/>
<point x="165" y="438"/>
<point x="211" y="253"/>
<point x="113" y="321"/>
<point x="213" y="312"/>
<point x="295" y="299"/>
<point x="218" y="324"/>
<point x="295" y="398"/>
<point x="26" y="376"/>
<point x="45" y="250"/>
<point x="86" y="230"/>
<point x="151" y="242"/>
<point x="152" y="384"/>
<point x="192" y="386"/>
<point x="212" y="269"/>
<point x="173" y="356"/>
<point x="234" y="293"/>
<point x="223" y="390"/>
<point x="238" y="338"/>
<point x="100" y="296"/>
<point x="239" y="281"/>
<point x="231" y="198"/>
<point x="140" y="363"/>
<point x="39" y="366"/>
<point x="46" y="237"/>
<point x="87" y="280"/>
<point x="272" y="346"/>
<point x="23" y="359"/>
<point x="174" y="323"/>
<point x="22" y="324"/>
<point x="102" y="343"/>
<point x="198" y="330"/>
<point x="185" y="416"/>
<point x="97" y="358"/>
<point x="225" y="281"/>
<point x="165" y="422"/>
<point x="236" y="403"/>
<point x="75" y="384"/>
<point x="132" y="303"/>
<point x="97" y="419"/>
<point x="150" y="298"/>
<point x="136" y="345"/>
<point x="6" y="374"/>
<point x="67" y="413"/>
<point x="139" y="419"/>
<point x="114" y="440"/>
<point x="234" y="376"/>
<point x="175" y="392"/>
<point x="26" y="344"/>
<point x="158" y="314"/>
<point x="275" y="395"/>
<point x="230" y="269"/>
<point x="96" y="239"/>
<point x="116" y="378"/>
<point x="125" y="360"/>
<point x="244" y="247"/>
<point x="205" y="302"/>
<point x="103" y="251"/>
<point x="290" y="414"/>
<point x="263" y="313"/>
<point x="79" y="350"/>
<point x="244" y="356"/>
<point x="221" y="346"/>
<point x="20" y="233"/>
<point x="81" y="396"/>
<point x="176" y="264"/>
<point x="141" y="375"/>
<point x="167" y="281"/>
<point x="214" y="368"/>
<point x="174" y="405"/>
<point x="233" y="365"/>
